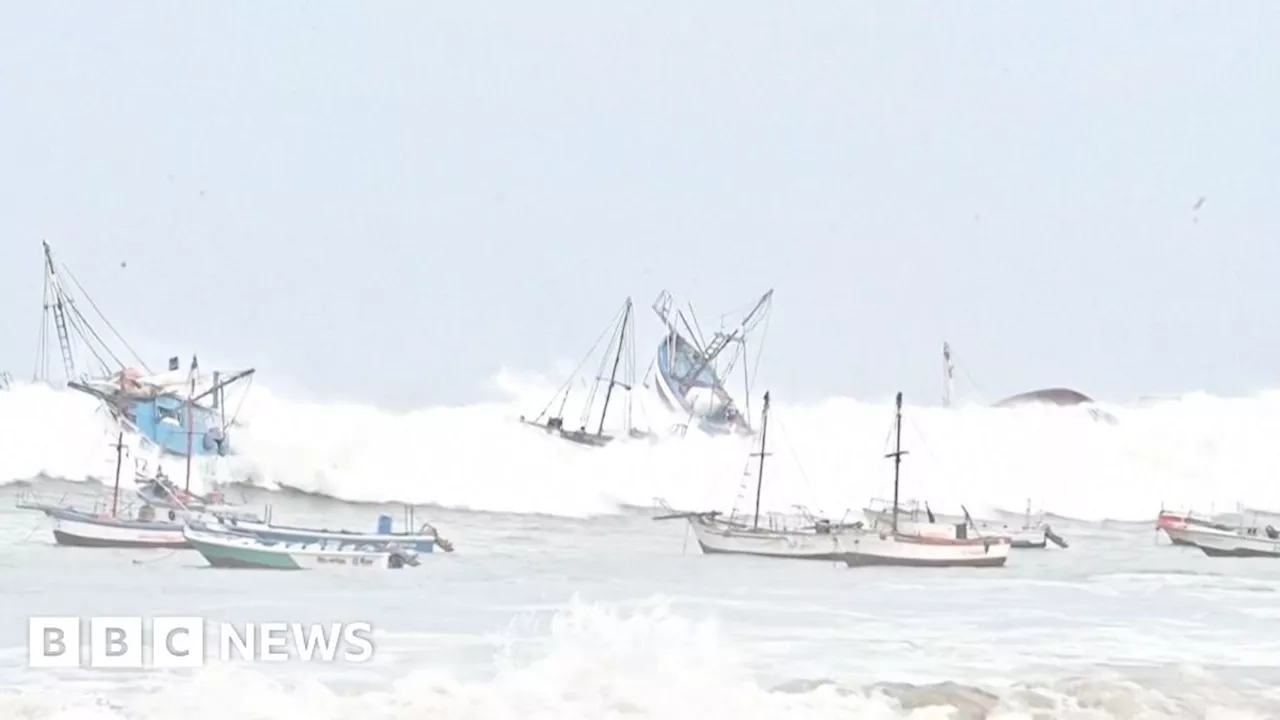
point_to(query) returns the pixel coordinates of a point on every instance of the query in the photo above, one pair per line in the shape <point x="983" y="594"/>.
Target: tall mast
<point x="897" y="454"/>
<point x="190" y="419"/>
<point x="948" y="371"/>
<point x="764" y="429"/>
<point x="613" y="376"/>
<point x="115" y="493"/>
<point x="59" y="314"/>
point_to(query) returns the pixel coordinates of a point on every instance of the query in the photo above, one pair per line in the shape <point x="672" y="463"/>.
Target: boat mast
<point x="897" y="454"/>
<point x="948" y="371"/>
<point x="115" y="493"/>
<point x="190" y="419"/>
<point x="764" y="429"/>
<point x="59" y="313"/>
<point x="613" y="376"/>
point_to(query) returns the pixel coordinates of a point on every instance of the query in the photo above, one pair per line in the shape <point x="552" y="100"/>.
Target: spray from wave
<point x="1200" y="451"/>
<point x="593" y="661"/>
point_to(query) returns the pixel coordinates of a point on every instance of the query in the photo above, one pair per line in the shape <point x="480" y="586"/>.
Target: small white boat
<point x="922" y="544"/>
<point x="1238" y="543"/>
<point x="811" y="539"/>
<point x="108" y="524"/>
<point x="228" y="550"/>
<point x="1032" y="533"/>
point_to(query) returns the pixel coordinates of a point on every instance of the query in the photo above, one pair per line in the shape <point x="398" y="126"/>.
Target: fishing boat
<point x="903" y="545"/>
<point x="619" y="357"/>
<point x="1033" y="533"/>
<point x="1174" y="523"/>
<point x="180" y="413"/>
<point x="815" y="539"/>
<point x="233" y="550"/>
<point x="110" y="528"/>
<point x="1243" y="542"/>
<point x="689" y="373"/>
<point x="1062" y="397"/>
<point x="424" y="540"/>
<point x="161" y="493"/>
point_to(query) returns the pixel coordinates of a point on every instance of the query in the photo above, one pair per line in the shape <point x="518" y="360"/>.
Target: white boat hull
<point x="870" y="547"/>
<point x="1223" y="543"/>
<point x="69" y="530"/>
<point x="719" y="538"/>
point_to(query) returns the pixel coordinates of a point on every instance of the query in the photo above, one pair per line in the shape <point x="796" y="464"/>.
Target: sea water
<point x="565" y="599"/>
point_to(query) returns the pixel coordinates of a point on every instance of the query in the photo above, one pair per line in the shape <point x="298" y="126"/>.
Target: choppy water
<point x="621" y="616"/>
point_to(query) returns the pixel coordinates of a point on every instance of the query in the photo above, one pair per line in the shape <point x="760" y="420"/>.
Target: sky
<point x="391" y="202"/>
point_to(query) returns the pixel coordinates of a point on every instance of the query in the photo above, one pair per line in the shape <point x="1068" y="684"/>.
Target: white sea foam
<point x="1200" y="451"/>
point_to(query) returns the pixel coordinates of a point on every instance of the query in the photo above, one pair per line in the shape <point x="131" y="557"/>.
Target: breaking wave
<point x="1199" y="450"/>
<point x="592" y="661"/>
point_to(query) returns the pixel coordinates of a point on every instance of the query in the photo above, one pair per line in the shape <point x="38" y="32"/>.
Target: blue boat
<point x="180" y="412"/>
<point x="424" y="540"/>
<point x="689" y="372"/>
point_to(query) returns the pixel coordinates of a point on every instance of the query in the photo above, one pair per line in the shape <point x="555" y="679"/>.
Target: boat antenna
<point x="764" y="428"/>
<point x="115" y="493"/>
<point x="190" y="419"/>
<point x="948" y="374"/>
<point x="897" y="454"/>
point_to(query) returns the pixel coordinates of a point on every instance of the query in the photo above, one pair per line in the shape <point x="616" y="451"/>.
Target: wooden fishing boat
<point x="813" y="539"/>
<point x="898" y="545"/>
<point x="689" y="371"/>
<point x="234" y="550"/>
<point x="424" y="540"/>
<point x="621" y="355"/>
<point x="1033" y="533"/>
<point x="110" y="525"/>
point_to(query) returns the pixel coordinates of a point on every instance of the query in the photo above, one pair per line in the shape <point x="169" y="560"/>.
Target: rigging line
<point x="804" y="477"/>
<point x="607" y="332"/>
<point x="106" y="321"/>
<point x="616" y="338"/>
<point x="81" y="324"/>
<point x="763" y="336"/>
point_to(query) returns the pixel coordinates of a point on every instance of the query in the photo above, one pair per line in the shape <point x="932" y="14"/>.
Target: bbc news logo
<point x="176" y="642"/>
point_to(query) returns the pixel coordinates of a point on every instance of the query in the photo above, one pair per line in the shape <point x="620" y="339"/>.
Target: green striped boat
<point x="232" y="550"/>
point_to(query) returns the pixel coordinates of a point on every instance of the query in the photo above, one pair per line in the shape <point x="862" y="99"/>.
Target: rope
<point x="608" y="332"/>
<point x="105" y="321"/>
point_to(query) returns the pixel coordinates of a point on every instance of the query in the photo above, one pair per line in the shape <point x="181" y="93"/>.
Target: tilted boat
<point x="689" y="373"/>
<point x="619" y="357"/>
<point x="110" y="528"/>
<point x="178" y="412"/>
<point x="814" y="539"/>
<point x="1062" y="397"/>
<point x="233" y="550"/>
<point x="424" y="540"/>
<point x="903" y="545"/>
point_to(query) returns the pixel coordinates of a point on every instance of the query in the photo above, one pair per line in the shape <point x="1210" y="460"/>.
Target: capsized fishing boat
<point x="689" y="372"/>
<point x="180" y="412"/>
<point x="1062" y="397"/>
<point x="619" y="358"/>
<point x="900" y="544"/>
<point x="424" y="540"/>
<point x="1032" y="533"/>
<point x="109" y="525"/>
<point x="814" y="538"/>
<point x="233" y="550"/>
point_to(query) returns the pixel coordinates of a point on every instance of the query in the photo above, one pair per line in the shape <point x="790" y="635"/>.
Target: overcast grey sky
<point x="389" y="201"/>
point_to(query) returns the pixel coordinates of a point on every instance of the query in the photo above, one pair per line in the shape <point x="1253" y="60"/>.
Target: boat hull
<point x="77" y="529"/>
<point x="719" y="538"/>
<point x="1232" y="544"/>
<point x="707" y="404"/>
<point x="870" y="548"/>
<point x="423" y="543"/>
<point x="226" y="550"/>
